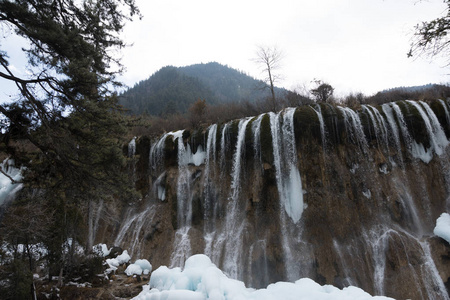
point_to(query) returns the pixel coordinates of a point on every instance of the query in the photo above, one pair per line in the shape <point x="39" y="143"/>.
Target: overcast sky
<point x="355" y="45"/>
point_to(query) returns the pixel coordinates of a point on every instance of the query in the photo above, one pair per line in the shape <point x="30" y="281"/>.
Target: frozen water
<point x="140" y="266"/>
<point x="201" y="280"/>
<point x="442" y="228"/>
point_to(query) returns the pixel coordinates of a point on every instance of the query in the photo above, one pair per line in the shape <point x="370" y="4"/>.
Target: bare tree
<point x="431" y="38"/>
<point x="269" y="58"/>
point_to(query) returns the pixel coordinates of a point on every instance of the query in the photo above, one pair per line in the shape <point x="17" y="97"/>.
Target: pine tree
<point x="66" y="127"/>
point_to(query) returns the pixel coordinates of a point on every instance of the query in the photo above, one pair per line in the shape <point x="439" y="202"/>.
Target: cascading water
<point x="366" y="208"/>
<point x="447" y="114"/>
<point x="378" y="124"/>
<point x="209" y="175"/>
<point x="223" y="149"/>
<point x="288" y="180"/>
<point x="256" y="129"/>
<point x="132" y="147"/>
<point x="285" y="160"/>
<point x="436" y="134"/>
<point x="318" y="111"/>
<point x="131" y="229"/>
<point x="233" y="229"/>
<point x="354" y="128"/>
<point x="182" y="244"/>
<point x="156" y="155"/>
<point x="395" y="134"/>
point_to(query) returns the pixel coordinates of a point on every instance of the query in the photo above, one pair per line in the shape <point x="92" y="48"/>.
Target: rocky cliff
<point x="345" y="197"/>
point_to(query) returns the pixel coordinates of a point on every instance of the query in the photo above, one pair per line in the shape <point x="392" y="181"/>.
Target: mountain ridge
<point x="173" y="89"/>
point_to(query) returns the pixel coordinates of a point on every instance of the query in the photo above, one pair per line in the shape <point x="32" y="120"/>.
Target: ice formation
<point x="201" y="280"/>
<point x="442" y="228"/>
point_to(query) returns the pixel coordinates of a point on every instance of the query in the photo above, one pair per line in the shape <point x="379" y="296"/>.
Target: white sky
<point x="355" y="45"/>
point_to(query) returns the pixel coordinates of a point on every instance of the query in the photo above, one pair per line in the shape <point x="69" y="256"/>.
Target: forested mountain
<point x="174" y="89"/>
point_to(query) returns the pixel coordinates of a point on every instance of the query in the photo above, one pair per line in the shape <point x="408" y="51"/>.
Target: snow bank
<point x="201" y="280"/>
<point x="140" y="266"/>
<point x="442" y="228"/>
<point x="133" y="270"/>
<point x="121" y="259"/>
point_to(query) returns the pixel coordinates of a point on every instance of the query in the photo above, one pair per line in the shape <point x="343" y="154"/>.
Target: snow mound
<point x="201" y="280"/>
<point x="442" y="228"/>
<point x="121" y="259"/>
<point x="140" y="266"/>
<point x="101" y="249"/>
<point x="133" y="270"/>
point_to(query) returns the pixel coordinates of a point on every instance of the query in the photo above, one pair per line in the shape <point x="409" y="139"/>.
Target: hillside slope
<point x="173" y="89"/>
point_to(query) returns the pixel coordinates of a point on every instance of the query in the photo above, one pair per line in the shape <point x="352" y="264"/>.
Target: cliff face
<point x="343" y="197"/>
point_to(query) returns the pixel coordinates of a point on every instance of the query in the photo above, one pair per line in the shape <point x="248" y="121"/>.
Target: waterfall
<point x="394" y="131"/>
<point x="182" y="244"/>
<point x="347" y="280"/>
<point x="416" y="150"/>
<point x="437" y="137"/>
<point x="369" y="211"/>
<point x="209" y="175"/>
<point x="237" y="158"/>
<point x="379" y="243"/>
<point x="378" y="125"/>
<point x="381" y="239"/>
<point x="156" y="155"/>
<point x="288" y="179"/>
<point x="132" y="147"/>
<point x="233" y="228"/>
<point x="447" y="114"/>
<point x="131" y="229"/>
<point x="256" y="129"/>
<point x="354" y="128"/>
<point x="433" y="281"/>
<point x="223" y="149"/>
<point x="285" y="160"/>
<point x="318" y="111"/>
<point x="94" y="213"/>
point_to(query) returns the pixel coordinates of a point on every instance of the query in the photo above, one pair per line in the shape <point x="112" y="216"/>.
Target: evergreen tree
<point x="65" y="126"/>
